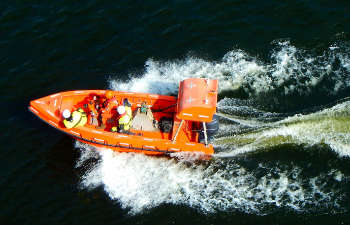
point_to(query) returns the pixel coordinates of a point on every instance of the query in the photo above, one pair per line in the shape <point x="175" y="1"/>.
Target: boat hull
<point x="49" y="109"/>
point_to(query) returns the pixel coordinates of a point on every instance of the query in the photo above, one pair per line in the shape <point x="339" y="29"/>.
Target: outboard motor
<point x="212" y="129"/>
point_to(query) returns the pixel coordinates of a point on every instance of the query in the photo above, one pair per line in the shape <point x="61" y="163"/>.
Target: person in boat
<point x="111" y="102"/>
<point x="75" y="119"/>
<point x="143" y="119"/>
<point x="125" y="118"/>
<point x="147" y="111"/>
<point x="109" y="109"/>
<point x="94" y="106"/>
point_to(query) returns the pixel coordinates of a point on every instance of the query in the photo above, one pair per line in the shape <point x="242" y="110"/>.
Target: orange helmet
<point x="109" y="94"/>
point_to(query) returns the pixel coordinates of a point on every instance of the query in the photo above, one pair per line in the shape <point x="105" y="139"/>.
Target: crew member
<point x="146" y="110"/>
<point x="143" y="119"/>
<point x="76" y="119"/>
<point x="110" y="106"/>
<point x="111" y="102"/>
<point x="125" y="119"/>
<point x="94" y="106"/>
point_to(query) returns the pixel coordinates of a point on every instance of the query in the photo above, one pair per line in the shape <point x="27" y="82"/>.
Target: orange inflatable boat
<point x="160" y="124"/>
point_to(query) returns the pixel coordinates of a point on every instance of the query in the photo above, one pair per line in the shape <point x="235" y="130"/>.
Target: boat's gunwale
<point x="89" y="91"/>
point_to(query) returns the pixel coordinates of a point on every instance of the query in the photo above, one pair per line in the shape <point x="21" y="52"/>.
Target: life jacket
<point x="92" y="108"/>
<point x="126" y="118"/>
<point x="77" y="119"/>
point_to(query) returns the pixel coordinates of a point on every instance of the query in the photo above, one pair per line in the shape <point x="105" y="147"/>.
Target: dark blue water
<point x="284" y="75"/>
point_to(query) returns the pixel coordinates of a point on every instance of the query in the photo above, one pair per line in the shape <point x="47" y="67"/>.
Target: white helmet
<point x="121" y="109"/>
<point x="66" y="113"/>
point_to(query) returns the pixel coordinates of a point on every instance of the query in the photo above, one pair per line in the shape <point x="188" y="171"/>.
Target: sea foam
<point x="139" y="183"/>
